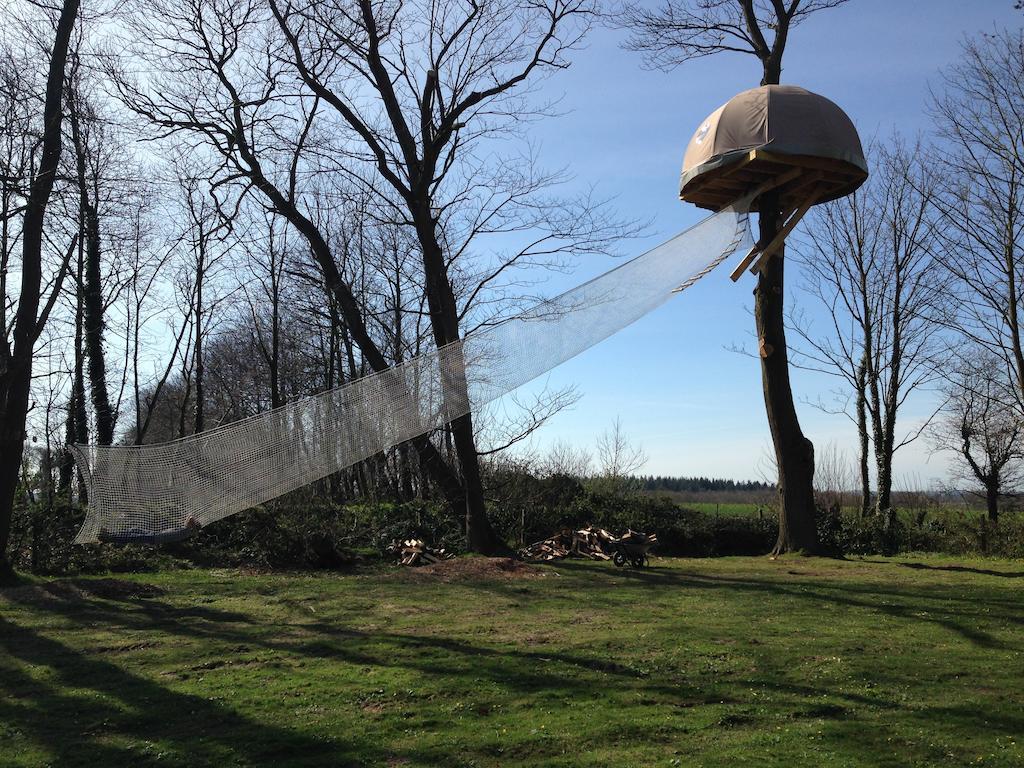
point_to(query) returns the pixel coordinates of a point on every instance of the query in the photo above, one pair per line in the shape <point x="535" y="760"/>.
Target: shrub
<point x="882" y="534"/>
<point x="42" y="541"/>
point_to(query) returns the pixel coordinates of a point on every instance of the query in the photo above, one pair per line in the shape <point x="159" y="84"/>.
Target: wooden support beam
<point x="745" y="262"/>
<point x="815" y="179"/>
<point x="775" y="182"/>
<point x="780" y="238"/>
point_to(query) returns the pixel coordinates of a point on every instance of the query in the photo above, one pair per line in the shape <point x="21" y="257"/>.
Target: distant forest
<point x="698" y="484"/>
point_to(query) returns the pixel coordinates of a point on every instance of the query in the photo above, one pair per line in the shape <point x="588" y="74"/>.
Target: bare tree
<point x="149" y="255"/>
<point x="565" y="459"/>
<point x="980" y="117"/>
<point x="832" y="477"/>
<point x="16" y="350"/>
<point x="683" y="30"/>
<point x="269" y="271"/>
<point x="679" y="31"/>
<point x="418" y="112"/>
<point x="77" y="427"/>
<point x="204" y="240"/>
<point x="982" y="429"/>
<point x="872" y="261"/>
<point x="617" y="457"/>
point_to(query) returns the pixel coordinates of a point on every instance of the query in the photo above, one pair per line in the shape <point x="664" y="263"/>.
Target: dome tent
<point x="780" y="138"/>
<point x="762" y="134"/>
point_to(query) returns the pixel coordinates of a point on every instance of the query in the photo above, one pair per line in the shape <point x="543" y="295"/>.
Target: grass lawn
<point x="734" y="661"/>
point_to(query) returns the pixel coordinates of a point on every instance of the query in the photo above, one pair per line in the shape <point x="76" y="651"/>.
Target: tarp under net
<point x="163" y="491"/>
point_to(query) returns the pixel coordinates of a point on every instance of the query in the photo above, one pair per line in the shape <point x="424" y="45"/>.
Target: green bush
<point x="297" y="532"/>
<point x="882" y="534"/>
<point x="42" y="541"/>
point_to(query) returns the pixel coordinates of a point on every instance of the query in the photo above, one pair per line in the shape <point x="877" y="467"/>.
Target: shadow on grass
<point x="197" y="731"/>
<point x="80" y="710"/>
<point x="906" y="604"/>
<point x="956" y="569"/>
<point x="61" y="708"/>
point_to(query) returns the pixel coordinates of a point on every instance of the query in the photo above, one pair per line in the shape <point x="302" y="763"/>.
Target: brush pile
<point x="416" y="552"/>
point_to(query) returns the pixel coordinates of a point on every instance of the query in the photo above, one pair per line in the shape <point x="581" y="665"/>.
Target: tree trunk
<point x="67" y="461"/>
<point x="76" y="430"/>
<point x="480" y="536"/>
<point x="992" y="501"/>
<point x="79" y="417"/>
<point x="93" y="316"/>
<point x="862" y="437"/>
<point x="92" y="304"/>
<point x="444" y="317"/>
<point x="884" y="465"/>
<point x="895" y="349"/>
<point x="16" y="369"/>
<point x="406" y="485"/>
<point x="200" y="412"/>
<point x="275" y="350"/>
<point x="794" y="453"/>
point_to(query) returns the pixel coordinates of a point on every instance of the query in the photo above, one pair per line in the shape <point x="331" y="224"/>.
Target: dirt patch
<point x="85" y="589"/>
<point x="477" y="569"/>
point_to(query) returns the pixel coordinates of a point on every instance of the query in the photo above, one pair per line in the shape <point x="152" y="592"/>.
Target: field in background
<point x="742" y="505"/>
<point x="723" y="662"/>
<point x="737" y="509"/>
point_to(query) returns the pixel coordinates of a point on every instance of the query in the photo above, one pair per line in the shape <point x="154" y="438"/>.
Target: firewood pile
<point x="591" y="542"/>
<point x="416" y="552"/>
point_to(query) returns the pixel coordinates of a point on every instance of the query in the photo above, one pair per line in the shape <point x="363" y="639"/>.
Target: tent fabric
<point x="782" y="119"/>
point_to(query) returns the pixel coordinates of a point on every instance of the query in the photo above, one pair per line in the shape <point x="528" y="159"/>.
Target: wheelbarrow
<point x="632" y="549"/>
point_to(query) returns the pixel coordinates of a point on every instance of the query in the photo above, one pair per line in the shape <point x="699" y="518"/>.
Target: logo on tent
<point x="702" y="132"/>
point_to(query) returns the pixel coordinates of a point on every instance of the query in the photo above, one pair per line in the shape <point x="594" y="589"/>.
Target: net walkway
<point x="161" y="492"/>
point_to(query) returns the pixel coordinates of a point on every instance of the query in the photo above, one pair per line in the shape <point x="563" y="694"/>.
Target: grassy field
<point x="735" y="661"/>
<point x="947" y="513"/>
<point x="729" y="508"/>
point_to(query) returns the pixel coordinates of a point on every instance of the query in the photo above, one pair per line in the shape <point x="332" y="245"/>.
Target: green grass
<point x="730" y="508"/>
<point x="736" y="661"/>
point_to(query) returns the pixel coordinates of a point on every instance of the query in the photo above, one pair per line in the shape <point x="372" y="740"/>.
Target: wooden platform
<point x="791" y="175"/>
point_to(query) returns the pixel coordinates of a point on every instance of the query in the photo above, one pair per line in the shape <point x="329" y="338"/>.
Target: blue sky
<point x="672" y="379"/>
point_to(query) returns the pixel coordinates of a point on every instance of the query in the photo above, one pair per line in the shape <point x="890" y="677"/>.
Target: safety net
<point x="163" y="491"/>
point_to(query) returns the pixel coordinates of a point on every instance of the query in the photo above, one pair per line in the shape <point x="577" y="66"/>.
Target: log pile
<point x="589" y="542"/>
<point x="416" y="552"/>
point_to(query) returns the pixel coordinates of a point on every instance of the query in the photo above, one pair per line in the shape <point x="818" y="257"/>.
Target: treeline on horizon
<point x="699" y="484"/>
